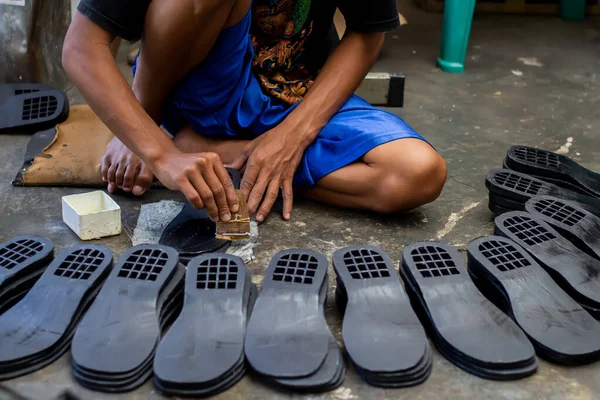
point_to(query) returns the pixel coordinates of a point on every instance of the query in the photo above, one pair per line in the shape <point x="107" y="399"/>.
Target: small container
<point x="92" y="215"/>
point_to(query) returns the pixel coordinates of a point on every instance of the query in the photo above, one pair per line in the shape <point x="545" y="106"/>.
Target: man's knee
<point x="409" y="185"/>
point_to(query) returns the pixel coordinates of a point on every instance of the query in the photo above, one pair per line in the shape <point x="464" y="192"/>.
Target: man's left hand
<point x="271" y="161"/>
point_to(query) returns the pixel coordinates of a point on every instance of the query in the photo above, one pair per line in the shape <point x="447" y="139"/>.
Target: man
<point x="277" y="103"/>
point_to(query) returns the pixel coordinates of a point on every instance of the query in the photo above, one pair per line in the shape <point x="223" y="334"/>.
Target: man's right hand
<point x="202" y="178"/>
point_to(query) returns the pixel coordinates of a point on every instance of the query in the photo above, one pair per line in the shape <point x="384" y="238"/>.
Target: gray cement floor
<point x="470" y="118"/>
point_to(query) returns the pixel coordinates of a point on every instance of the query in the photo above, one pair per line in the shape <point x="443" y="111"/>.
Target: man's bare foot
<point x="188" y="141"/>
<point x="122" y="169"/>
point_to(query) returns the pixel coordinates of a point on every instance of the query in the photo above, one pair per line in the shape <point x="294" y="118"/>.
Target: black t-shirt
<point x="291" y="38"/>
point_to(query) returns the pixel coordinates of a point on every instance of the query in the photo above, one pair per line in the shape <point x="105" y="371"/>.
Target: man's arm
<point x="273" y="158"/>
<point x="89" y="64"/>
<point x="342" y="74"/>
<point x="88" y="61"/>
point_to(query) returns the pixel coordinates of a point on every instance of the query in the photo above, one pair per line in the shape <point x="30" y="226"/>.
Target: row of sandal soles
<point x="529" y="172"/>
<point x="31" y="107"/>
<point x="540" y="288"/>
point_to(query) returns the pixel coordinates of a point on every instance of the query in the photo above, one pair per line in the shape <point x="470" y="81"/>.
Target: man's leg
<point x="120" y="167"/>
<point x="188" y="141"/>
<point x="395" y="176"/>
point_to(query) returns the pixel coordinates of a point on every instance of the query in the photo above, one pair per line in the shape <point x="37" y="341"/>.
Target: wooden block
<point x="238" y="228"/>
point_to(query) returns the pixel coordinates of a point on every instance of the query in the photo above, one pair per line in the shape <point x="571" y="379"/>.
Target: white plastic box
<point x="92" y="215"/>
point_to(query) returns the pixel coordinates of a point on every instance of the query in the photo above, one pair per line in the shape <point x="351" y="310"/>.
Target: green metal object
<point x="456" y="28"/>
<point x="572" y="10"/>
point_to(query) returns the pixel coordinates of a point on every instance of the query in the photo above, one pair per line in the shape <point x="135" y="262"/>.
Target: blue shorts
<point x="221" y="98"/>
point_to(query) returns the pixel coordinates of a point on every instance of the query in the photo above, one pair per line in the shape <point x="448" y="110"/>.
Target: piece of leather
<point x="73" y="156"/>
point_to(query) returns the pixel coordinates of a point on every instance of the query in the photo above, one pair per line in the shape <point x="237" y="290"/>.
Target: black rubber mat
<point x="127" y="319"/>
<point x="572" y="221"/>
<point x="218" y="291"/>
<point x="575" y="271"/>
<point x="287" y="336"/>
<point x="558" y="167"/>
<point x="34" y="111"/>
<point x="381" y="332"/>
<point x="192" y="231"/>
<point x="520" y="188"/>
<point x="557" y="326"/>
<point x="466" y="328"/>
<point x="35" y="331"/>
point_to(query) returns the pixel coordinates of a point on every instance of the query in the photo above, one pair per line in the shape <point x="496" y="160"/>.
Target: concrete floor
<point x="471" y="119"/>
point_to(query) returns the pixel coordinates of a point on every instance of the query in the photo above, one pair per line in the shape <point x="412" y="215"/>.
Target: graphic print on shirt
<point x="279" y="32"/>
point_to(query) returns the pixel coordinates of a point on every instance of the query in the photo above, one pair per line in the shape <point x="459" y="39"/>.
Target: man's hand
<point x="202" y="178"/>
<point x="271" y="161"/>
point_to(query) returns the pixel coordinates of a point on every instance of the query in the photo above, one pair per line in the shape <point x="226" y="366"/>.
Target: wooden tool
<point x="238" y="228"/>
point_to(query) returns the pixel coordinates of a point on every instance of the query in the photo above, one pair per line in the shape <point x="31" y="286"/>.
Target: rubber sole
<point x="497" y="210"/>
<point x="226" y="383"/>
<point x="506" y="202"/>
<point x="288" y="336"/>
<point x="329" y="375"/>
<point x="124" y="319"/>
<point x="520" y="187"/>
<point x="21" y="256"/>
<point x="192" y="232"/>
<point x="468" y="329"/>
<point x="12" y="294"/>
<point x="574" y="271"/>
<point x="36" y="332"/>
<point x="33" y="112"/>
<point x="16" y="89"/>
<point x="554" y="166"/>
<point x="52" y="354"/>
<point x="133" y="379"/>
<point x="185" y="258"/>
<point x="381" y="332"/>
<point x="558" y="327"/>
<point x="218" y="289"/>
<point x="23" y="259"/>
<point x="557" y="182"/>
<point x="400" y="379"/>
<point x="572" y="221"/>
